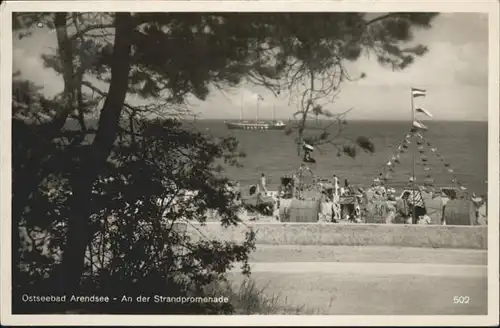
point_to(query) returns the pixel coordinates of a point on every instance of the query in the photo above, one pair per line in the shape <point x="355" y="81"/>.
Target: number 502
<point x="461" y="299"/>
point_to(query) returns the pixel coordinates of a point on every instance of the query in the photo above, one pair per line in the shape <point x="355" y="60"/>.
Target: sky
<point x="454" y="72"/>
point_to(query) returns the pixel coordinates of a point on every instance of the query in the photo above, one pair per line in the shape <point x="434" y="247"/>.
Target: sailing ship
<point x="257" y="125"/>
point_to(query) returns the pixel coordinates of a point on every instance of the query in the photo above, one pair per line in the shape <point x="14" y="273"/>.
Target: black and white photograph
<point x="219" y="160"/>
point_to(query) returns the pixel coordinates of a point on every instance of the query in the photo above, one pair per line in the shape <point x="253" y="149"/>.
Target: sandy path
<point x="327" y="253"/>
<point x="371" y="280"/>
<point x="363" y="269"/>
<point x="345" y="293"/>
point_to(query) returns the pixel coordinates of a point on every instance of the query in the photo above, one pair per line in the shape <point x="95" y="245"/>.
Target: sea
<point x="461" y="145"/>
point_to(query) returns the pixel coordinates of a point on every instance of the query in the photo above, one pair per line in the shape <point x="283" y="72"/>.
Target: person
<point x="308" y="158"/>
<point x="325" y="214"/>
<point x="336" y="184"/>
<point x="403" y="211"/>
<point x="357" y="210"/>
<point x="253" y="189"/>
<point x="336" y="210"/>
<point x="391" y="215"/>
<point x="381" y="179"/>
<point x="263" y="183"/>
<point x="424" y="219"/>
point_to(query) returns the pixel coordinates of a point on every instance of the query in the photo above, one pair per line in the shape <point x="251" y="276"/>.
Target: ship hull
<point x="254" y="127"/>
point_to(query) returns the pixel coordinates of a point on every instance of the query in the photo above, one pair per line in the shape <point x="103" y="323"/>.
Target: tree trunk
<point x="27" y="181"/>
<point x="78" y="229"/>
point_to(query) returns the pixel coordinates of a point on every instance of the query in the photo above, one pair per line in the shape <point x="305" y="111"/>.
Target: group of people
<point x="342" y="191"/>
<point x="332" y="209"/>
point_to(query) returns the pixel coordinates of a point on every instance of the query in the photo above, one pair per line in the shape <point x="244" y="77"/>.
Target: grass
<point x="248" y="299"/>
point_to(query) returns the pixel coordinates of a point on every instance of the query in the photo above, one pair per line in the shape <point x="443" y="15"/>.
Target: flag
<point x="416" y="199"/>
<point x="259" y="97"/>
<point x="307" y="153"/>
<point x="418" y="125"/>
<point x="308" y="159"/>
<point x="418" y="92"/>
<point x="424" y="111"/>
<point x="307" y="147"/>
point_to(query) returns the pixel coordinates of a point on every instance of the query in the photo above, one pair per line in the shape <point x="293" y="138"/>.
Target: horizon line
<point x="351" y="119"/>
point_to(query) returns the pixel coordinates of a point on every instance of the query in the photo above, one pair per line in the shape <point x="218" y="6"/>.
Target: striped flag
<point x="424" y="111"/>
<point x="418" y="92"/>
<point x="416" y="199"/>
<point x="307" y="147"/>
<point x="418" y="125"/>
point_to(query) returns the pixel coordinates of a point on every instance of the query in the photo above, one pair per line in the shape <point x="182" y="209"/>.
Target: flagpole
<point x="274" y="109"/>
<point x="241" y="106"/>
<point x="414" y="151"/>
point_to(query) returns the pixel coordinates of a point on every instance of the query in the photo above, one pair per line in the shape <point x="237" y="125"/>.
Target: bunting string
<point x="424" y="147"/>
<point x="395" y="158"/>
<point x="441" y="159"/>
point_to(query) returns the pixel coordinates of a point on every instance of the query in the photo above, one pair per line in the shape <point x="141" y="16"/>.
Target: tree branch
<point x="380" y="18"/>
<point x="66" y="54"/>
<point x="82" y="32"/>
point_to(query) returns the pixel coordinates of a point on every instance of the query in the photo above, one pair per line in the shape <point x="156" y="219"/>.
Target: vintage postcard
<point x="250" y="163"/>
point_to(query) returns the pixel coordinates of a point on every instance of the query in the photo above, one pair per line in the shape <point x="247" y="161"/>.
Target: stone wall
<point x="433" y="236"/>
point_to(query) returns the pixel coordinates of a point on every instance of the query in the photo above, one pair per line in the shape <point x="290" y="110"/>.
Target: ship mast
<point x="274" y="108"/>
<point x="257" y="116"/>
<point x="241" y="107"/>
